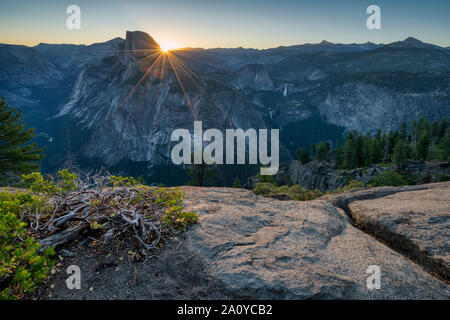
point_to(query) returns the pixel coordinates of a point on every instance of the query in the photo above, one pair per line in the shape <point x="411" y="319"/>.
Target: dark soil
<point x="120" y="271"/>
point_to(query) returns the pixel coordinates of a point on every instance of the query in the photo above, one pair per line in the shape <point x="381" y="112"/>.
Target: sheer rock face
<point x="138" y="40"/>
<point x="138" y="44"/>
<point x="415" y="222"/>
<point x="362" y="106"/>
<point x="138" y="126"/>
<point x="262" y="248"/>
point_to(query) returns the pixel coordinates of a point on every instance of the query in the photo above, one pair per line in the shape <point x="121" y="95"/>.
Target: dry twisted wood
<point x="115" y="208"/>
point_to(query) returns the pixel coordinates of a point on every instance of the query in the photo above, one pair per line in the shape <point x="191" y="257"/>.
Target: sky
<point x="226" y="23"/>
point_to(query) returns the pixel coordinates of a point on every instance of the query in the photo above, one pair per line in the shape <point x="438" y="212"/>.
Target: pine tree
<point x="385" y="147"/>
<point x="18" y="154"/>
<point x="359" y="145"/>
<point x="321" y="151"/>
<point x="339" y="157"/>
<point x="413" y="132"/>
<point x="445" y="143"/>
<point x="378" y="134"/>
<point x="403" y="130"/>
<point x="302" y="156"/>
<point x="202" y="174"/>
<point x="365" y="149"/>
<point x="350" y="157"/>
<point x="434" y="132"/>
<point x="374" y="152"/>
<point x="400" y="153"/>
<point x="313" y="149"/>
<point x="422" y="146"/>
<point x="443" y="124"/>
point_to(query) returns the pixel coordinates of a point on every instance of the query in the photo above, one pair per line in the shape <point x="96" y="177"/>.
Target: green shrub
<point x="38" y="184"/>
<point x="442" y="177"/>
<point x="266" y="179"/>
<point x="351" y="185"/>
<point x="174" y="216"/>
<point x="237" y="183"/>
<point x="388" y="178"/>
<point x="118" y="181"/>
<point x="67" y="182"/>
<point x="171" y="199"/>
<point x="21" y="267"/>
<point x="294" y="192"/>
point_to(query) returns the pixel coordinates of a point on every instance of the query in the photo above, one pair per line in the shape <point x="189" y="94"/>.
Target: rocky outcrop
<point x="248" y="247"/>
<point x="426" y="172"/>
<point x="342" y="200"/>
<point x="415" y="222"/>
<point x="263" y="248"/>
<point x="323" y="176"/>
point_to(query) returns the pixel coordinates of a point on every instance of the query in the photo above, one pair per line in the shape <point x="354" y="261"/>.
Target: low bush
<point x="351" y="185"/>
<point x="388" y="178"/>
<point x="174" y="216"/>
<point x="442" y="177"/>
<point x="294" y="192"/>
<point x="22" y="268"/>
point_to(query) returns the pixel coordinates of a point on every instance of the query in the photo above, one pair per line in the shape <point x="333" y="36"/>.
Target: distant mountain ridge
<point x="310" y="92"/>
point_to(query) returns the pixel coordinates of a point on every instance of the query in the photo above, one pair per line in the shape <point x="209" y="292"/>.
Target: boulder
<point x="416" y="223"/>
<point x="261" y="248"/>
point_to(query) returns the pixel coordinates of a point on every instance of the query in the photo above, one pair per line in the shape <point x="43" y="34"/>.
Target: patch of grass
<point x="294" y="192"/>
<point x="351" y="185"/>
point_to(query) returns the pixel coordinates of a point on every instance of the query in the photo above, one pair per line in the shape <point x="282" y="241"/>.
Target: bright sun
<point x="165" y="46"/>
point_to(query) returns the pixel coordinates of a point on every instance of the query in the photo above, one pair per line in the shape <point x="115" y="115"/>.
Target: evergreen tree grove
<point x="18" y="154"/>
<point x="421" y="141"/>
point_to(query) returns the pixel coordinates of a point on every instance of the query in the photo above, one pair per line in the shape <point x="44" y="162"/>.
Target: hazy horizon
<point x="243" y="47"/>
<point x="215" y="24"/>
